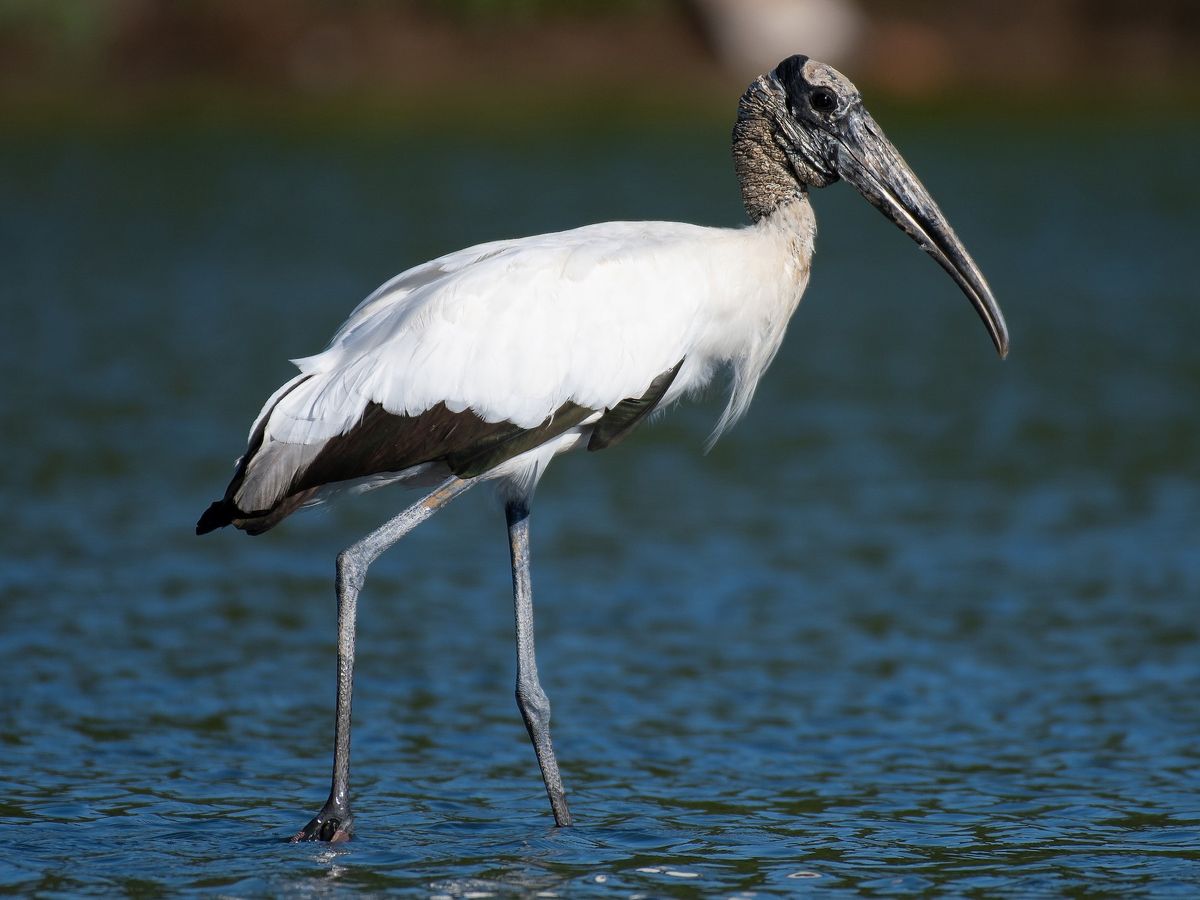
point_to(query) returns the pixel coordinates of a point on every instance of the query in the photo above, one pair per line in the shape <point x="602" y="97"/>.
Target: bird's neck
<point x="763" y="171"/>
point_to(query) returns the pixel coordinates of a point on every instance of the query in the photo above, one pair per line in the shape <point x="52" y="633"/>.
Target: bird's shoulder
<point x="559" y="253"/>
<point x="612" y="267"/>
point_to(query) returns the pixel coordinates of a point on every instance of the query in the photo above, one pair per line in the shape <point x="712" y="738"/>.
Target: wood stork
<point x="484" y="364"/>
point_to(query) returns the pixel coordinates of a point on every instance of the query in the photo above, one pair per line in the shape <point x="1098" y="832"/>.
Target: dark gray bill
<point x="867" y="160"/>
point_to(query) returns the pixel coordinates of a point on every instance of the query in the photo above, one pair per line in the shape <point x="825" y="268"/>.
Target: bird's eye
<point x="823" y="100"/>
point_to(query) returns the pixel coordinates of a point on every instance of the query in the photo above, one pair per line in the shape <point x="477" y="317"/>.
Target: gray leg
<point x="335" y="822"/>
<point x="535" y="707"/>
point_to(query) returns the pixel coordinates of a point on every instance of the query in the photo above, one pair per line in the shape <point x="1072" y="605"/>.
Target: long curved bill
<point x="867" y="160"/>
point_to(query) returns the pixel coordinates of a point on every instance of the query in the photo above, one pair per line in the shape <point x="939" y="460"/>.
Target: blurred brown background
<point x="94" y="56"/>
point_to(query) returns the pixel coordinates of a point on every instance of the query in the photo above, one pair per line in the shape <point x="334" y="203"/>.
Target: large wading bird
<point x="485" y="364"/>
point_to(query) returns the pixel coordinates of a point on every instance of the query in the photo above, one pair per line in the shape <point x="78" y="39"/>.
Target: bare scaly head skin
<point x="803" y="125"/>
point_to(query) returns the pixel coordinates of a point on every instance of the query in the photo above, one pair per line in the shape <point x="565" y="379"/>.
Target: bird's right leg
<point x="335" y="823"/>
<point x="532" y="700"/>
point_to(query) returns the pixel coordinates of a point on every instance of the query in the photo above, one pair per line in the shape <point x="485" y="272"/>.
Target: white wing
<point x="513" y="329"/>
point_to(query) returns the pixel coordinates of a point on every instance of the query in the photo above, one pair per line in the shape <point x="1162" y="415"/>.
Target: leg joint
<point x="533" y="702"/>
<point x="351" y="573"/>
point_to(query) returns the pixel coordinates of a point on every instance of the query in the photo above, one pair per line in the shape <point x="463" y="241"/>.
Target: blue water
<point x="922" y="623"/>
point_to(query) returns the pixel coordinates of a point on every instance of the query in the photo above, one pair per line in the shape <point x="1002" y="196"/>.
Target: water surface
<point x="922" y="622"/>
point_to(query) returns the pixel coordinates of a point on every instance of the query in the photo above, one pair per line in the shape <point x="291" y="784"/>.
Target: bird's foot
<point x="330" y="825"/>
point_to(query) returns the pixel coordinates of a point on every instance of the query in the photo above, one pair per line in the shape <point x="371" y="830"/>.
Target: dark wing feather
<point x="616" y="423"/>
<point x="382" y="442"/>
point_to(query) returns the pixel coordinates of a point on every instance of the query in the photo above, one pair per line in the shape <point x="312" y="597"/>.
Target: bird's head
<point x="819" y="126"/>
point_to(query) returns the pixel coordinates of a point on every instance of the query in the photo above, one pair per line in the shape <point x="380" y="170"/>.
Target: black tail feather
<point x="220" y="514"/>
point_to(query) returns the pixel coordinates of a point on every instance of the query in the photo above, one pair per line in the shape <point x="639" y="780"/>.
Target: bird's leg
<point x="335" y="823"/>
<point x="532" y="700"/>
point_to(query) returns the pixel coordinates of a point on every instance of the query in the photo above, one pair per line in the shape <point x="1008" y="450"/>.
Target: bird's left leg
<point x="334" y="823"/>
<point x="535" y="706"/>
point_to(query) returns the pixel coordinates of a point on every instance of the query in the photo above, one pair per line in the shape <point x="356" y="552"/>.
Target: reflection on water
<point x="922" y="622"/>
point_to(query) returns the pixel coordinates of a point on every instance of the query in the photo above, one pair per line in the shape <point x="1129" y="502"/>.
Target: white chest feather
<point x="775" y="264"/>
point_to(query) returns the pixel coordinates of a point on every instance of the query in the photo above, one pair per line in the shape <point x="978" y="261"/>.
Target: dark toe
<point x="330" y="829"/>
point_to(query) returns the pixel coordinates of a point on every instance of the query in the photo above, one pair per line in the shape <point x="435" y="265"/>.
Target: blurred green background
<point x="507" y="59"/>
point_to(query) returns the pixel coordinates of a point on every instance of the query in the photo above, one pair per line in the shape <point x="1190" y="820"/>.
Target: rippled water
<point x="922" y="622"/>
